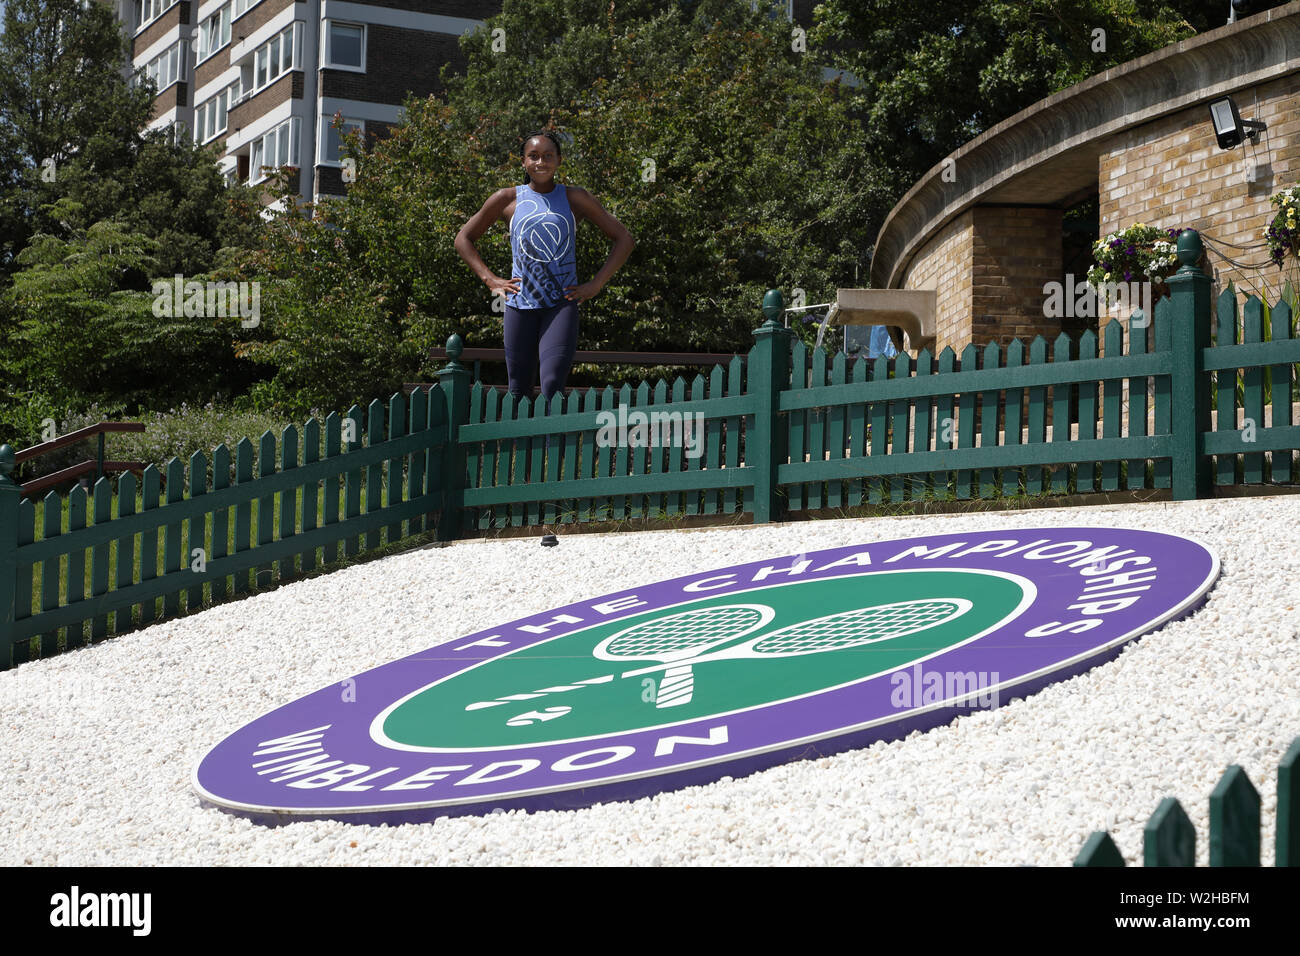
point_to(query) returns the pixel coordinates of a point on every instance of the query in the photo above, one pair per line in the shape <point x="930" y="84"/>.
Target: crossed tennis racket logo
<point x="682" y="642"/>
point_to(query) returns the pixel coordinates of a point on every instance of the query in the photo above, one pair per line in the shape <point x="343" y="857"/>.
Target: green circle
<point x="438" y="718"/>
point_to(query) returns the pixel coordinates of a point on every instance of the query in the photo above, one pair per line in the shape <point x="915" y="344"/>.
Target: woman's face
<point x="540" y="158"/>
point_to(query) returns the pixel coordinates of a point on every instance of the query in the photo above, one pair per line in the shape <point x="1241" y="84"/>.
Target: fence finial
<point x="1190" y="250"/>
<point x="6" y="461"/>
<point x="773" y="307"/>
<point x="455" y="349"/>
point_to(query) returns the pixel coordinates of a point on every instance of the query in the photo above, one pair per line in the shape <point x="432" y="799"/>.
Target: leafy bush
<point x="180" y="432"/>
<point x="23" y="416"/>
<point x="85" y="328"/>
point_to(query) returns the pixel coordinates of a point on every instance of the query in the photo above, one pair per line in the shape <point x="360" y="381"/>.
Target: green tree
<point x="717" y="144"/>
<point x="71" y="128"/>
<point x="61" y="90"/>
<point x="87" y="333"/>
<point x="92" y="208"/>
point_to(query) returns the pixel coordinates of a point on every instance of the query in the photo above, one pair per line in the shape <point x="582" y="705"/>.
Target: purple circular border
<point x="816" y="725"/>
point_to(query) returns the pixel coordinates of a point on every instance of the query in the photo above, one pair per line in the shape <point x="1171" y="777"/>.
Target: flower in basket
<point x="1139" y="253"/>
<point x="1282" y="234"/>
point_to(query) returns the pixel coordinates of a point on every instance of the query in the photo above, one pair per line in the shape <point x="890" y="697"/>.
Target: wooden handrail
<point x="71" y="438"/>
<point x="76" y="471"/>
<point x="605" y="358"/>
<point x="409" y="387"/>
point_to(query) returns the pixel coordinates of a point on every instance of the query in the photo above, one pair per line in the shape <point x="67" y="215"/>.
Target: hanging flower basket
<point x="1283" y="233"/>
<point x="1139" y="253"/>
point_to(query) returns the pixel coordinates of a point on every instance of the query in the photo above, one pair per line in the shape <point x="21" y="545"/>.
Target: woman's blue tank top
<point x="542" y="237"/>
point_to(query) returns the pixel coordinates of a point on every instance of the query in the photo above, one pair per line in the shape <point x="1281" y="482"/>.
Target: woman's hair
<point x="549" y="135"/>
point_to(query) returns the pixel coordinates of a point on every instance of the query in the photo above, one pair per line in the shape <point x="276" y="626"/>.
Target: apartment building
<point x="265" y="78"/>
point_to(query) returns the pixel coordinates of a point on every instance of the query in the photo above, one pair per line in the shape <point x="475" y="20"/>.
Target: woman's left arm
<point x="588" y="207"/>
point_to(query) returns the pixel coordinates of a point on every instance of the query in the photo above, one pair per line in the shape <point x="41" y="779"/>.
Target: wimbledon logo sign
<point x="719" y="673"/>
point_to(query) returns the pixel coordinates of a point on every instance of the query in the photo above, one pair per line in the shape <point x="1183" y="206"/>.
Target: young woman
<point x="541" y="319"/>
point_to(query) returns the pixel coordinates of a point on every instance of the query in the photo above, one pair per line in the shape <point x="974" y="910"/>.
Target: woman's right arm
<point x="478" y="224"/>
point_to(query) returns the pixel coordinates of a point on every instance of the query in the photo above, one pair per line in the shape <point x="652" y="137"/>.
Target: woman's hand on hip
<point x="500" y="286"/>
<point x="583" y="292"/>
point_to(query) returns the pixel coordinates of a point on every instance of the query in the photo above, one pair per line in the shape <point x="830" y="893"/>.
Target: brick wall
<point x="172" y="18"/>
<point x="256" y="16"/>
<point x="176" y="95"/>
<point x="398" y="62"/>
<point x="211" y="68"/>
<point x="1171" y="173"/>
<point x="289" y="86"/>
<point x="943" y="265"/>
<point x="987" y="268"/>
<point x="329" y="181"/>
<point x="1014" y="250"/>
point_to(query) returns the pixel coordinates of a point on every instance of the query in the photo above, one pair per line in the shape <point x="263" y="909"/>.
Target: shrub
<point x="180" y="432"/>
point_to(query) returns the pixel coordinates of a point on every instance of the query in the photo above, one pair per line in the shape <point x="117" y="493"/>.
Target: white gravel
<point x="100" y="743"/>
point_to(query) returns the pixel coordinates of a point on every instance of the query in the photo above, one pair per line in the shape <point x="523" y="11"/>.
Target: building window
<point x="278" y="147"/>
<point x="214" y="33"/>
<point x="273" y="59"/>
<point x="168" y="67"/>
<point x="210" y="115"/>
<point x="147" y="11"/>
<point x="179" y="132"/>
<point x="332" y="140"/>
<point x="241" y="7"/>
<point x="345" y="46"/>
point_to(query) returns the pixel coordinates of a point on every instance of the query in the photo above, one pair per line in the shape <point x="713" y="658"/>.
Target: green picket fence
<point x="779" y="432"/>
<point x="791" y="431"/>
<point x="1169" y="839"/>
<point x="1064" y="423"/>
<point x="95" y="565"/>
<point x="530" y="463"/>
<point x="1247" y="389"/>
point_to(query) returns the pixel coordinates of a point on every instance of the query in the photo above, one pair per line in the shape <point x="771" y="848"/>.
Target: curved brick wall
<point x="1171" y="173"/>
<point x="941" y="265"/>
<point x="1139" y="136"/>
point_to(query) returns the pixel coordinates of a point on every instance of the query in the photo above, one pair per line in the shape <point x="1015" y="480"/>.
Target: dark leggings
<point x="540" y="338"/>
